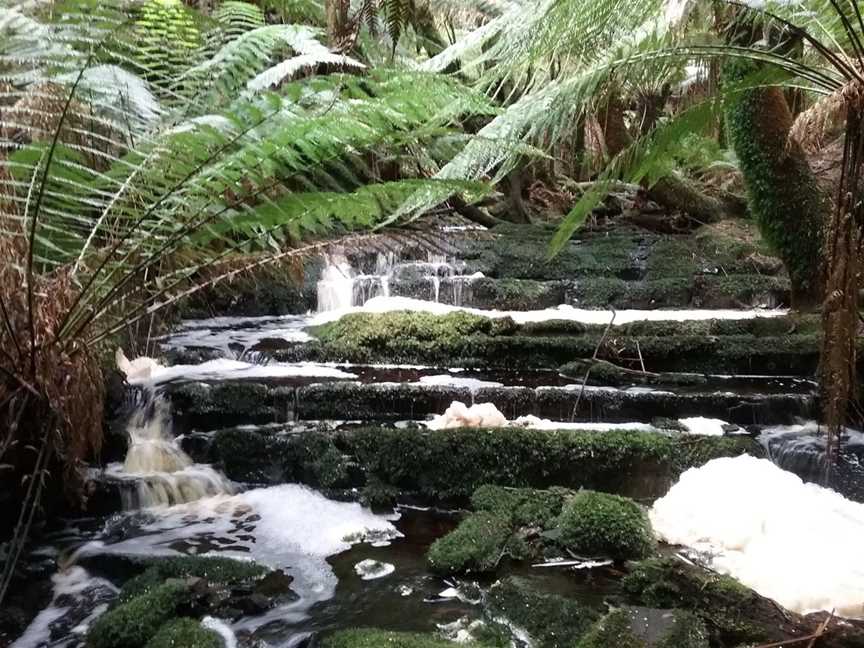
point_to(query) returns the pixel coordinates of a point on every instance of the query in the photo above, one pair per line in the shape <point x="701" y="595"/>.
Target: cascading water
<point x="342" y="287"/>
<point x="163" y="475"/>
<point x="801" y="449"/>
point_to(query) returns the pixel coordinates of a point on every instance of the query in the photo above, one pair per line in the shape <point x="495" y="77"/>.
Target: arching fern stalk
<point x="121" y="190"/>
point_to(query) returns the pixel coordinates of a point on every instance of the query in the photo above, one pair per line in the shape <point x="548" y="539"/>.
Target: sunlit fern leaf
<point x="311" y="56"/>
<point x="236" y="17"/>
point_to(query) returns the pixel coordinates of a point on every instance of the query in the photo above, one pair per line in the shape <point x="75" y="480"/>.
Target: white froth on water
<point x="483" y="415"/>
<point x="459" y="415"/>
<point x="563" y="312"/>
<point x="288" y="527"/>
<point x="796" y="543"/>
<point x="222" y="629"/>
<point x="73" y="582"/>
<point x="536" y="423"/>
<point x="703" y="426"/>
<point x="456" y="381"/>
<point x="225" y="369"/>
<point x="373" y="569"/>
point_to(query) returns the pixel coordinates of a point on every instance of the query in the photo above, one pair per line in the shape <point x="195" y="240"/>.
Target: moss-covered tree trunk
<point x="785" y="199"/>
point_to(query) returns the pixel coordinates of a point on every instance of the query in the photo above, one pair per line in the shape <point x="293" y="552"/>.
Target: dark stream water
<point x="410" y="598"/>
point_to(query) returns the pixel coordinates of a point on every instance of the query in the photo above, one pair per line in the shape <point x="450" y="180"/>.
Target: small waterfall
<point x="336" y="286"/>
<point x="342" y="287"/>
<point x="800" y="449"/>
<point x="163" y="474"/>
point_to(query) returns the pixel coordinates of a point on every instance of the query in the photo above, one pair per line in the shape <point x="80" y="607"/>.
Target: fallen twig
<point x="593" y="357"/>
<point x="812" y="638"/>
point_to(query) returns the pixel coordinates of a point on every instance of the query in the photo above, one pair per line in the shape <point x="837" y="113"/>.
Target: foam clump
<point x="138" y="369"/>
<point x="459" y="415"/>
<point x="796" y="543"/>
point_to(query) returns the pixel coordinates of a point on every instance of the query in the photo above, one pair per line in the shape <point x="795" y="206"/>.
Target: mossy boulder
<point x="216" y="570"/>
<point x="185" y="633"/>
<point x="550" y="620"/>
<point x="522" y="506"/>
<point x="372" y="638"/>
<point x="733" y="613"/>
<point x="477" y="544"/>
<point x="599" y="524"/>
<point x="133" y="623"/>
<point x="612" y="631"/>
<point x="646" y="628"/>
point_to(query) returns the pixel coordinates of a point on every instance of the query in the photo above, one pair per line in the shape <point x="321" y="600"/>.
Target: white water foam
<point x="288" y="527"/>
<point x="74" y="583"/>
<point x="563" y="312"/>
<point x="373" y="569"/>
<point x="794" y="542"/>
<point x="225" y="369"/>
<point x="222" y="629"/>
<point x="699" y="425"/>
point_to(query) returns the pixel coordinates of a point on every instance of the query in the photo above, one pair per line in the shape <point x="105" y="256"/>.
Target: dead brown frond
<point x="825" y="120"/>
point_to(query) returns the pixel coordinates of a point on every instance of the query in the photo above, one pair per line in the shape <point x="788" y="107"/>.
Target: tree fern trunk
<point x="785" y="199"/>
<point x="337" y="19"/>
<point x="838" y="376"/>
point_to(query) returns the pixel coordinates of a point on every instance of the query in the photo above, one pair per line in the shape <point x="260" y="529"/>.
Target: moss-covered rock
<point x="598" y="524"/>
<point x="773" y="345"/>
<point x="551" y="621"/>
<point x="477" y="544"/>
<point x="452" y="464"/>
<point x="449" y="465"/>
<point x="133" y="623"/>
<point x="733" y="613"/>
<point x="248" y="455"/>
<point x="185" y="633"/>
<point x="612" y="631"/>
<point x="372" y="638"/>
<point x="215" y="570"/>
<point x="646" y="628"/>
<point x="207" y="406"/>
<point x="523" y="506"/>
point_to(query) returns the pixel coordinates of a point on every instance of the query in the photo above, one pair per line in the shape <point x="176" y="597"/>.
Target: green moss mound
<point x="477" y="544"/>
<point x="185" y="633"/>
<point x="133" y="623"/>
<point x="551" y="621"/>
<point x="733" y="613"/>
<point x="371" y="638"/>
<point x="598" y="524"/>
<point x="216" y="570"/>
<point x="523" y="506"/>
